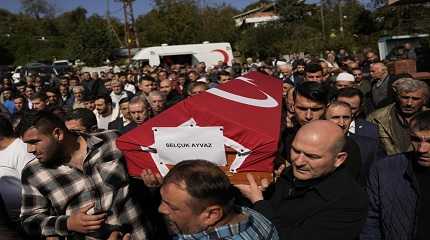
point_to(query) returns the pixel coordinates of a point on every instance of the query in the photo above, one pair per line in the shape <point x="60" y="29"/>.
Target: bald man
<point x="315" y="198"/>
<point x="172" y="95"/>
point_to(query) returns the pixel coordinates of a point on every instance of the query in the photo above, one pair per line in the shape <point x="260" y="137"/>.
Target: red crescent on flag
<point x="224" y="54"/>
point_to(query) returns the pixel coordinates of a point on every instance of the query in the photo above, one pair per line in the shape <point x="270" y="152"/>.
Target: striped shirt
<point x="51" y="194"/>
<point x="255" y="227"/>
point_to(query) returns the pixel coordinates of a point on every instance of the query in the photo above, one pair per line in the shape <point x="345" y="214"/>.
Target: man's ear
<point x="340" y="158"/>
<point x="212" y="215"/>
<point x="58" y="134"/>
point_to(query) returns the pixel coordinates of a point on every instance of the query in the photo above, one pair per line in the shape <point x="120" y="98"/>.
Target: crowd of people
<point x="353" y="158"/>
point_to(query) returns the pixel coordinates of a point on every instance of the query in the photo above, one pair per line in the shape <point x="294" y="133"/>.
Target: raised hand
<point x="252" y="191"/>
<point x="150" y="179"/>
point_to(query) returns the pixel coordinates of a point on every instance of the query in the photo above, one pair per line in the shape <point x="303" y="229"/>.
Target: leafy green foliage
<point x="37" y="34"/>
<point x="172" y="22"/>
<point x="92" y="41"/>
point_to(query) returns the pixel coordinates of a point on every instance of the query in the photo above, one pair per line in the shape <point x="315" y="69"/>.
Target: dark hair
<point x="313" y="67"/>
<point x="224" y="73"/>
<point x="299" y="62"/>
<point x="44" y="121"/>
<point x="205" y="182"/>
<point x="146" y="77"/>
<point x="53" y="90"/>
<point x="19" y="84"/>
<point x="39" y="95"/>
<point x="7" y="89"/>
<point x="421" y="121"/>
<point x="124" y="100"/>
<point x="89" y="97"/>
<point x="312" y="90"/>
<point x="6" y="128"/>
<point x="193" y="72"/>
<point x="106" y="98"/>
<point x="350" y="92"/>
<point x="86" y="116"/>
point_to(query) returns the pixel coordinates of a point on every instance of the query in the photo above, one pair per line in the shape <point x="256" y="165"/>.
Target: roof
<point x="404" y="2"/>
<point x="262" y="8"/>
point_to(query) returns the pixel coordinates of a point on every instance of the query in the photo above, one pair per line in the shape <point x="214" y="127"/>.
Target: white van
<point x="210" y="53"/>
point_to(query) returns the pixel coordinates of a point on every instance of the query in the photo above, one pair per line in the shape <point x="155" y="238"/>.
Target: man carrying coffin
<point x="315" y="198"/>
<point x="198" y="200"/>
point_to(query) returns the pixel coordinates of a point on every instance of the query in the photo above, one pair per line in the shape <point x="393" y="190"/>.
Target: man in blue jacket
<point x="399" y="189"/>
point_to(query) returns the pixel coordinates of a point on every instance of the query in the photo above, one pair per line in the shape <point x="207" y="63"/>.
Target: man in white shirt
<point x="13" y="158"/>
<point x="13" y="152"/>
<point x="105" y="112"/>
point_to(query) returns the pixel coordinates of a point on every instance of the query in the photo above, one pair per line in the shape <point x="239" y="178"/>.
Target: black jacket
<point x="393" y="197"/>
<point x="117" y="124"/>
<point x="333" y="207"/>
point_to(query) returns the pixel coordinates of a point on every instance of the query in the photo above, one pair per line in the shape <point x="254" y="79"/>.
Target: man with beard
<point x="105" y="111"/>
<point x="393" y="120"/>
<point x="78" y="186"/>
<point x="53" y="97"/>
<point x="172" y="95"/>
<point x="399" y="189"/>
<point x="39" y="101"/>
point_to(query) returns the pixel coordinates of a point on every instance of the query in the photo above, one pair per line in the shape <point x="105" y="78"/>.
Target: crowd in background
<point x="381" y="116"/>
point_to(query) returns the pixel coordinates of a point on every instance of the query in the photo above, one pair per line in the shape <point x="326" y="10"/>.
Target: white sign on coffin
<point x="174" y="144"/>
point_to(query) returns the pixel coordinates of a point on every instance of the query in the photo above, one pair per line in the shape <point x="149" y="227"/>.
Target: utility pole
<point x="110" y="24"/>
<point x="322" y="20"/>
<point x="130" y="31"/>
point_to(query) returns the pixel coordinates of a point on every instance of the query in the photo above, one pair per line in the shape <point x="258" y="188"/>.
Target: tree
<point x="68" y="22"/>
<point x="292" y="11"/>
<point x="92" y="42"/>
<point x="172" y="22"/>
<point x="38" y="8"/>
<point x="218" y="24"/>
<point x="262" y="41"/>
<point x="6" y="55"/>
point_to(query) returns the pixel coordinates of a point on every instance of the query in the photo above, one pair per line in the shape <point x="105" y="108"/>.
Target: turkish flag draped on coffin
<point x="248" y="108"/>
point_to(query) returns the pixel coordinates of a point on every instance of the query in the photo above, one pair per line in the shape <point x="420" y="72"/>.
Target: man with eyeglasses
<point x="399" y="189"/>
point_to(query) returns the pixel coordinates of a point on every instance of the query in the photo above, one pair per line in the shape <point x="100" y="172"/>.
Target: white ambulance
<point x="210" y="53"/>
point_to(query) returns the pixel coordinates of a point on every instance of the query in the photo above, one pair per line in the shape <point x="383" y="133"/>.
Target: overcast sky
<point x="100" y="6"/>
